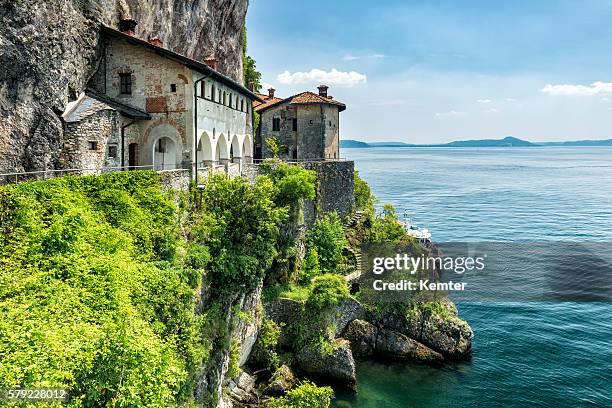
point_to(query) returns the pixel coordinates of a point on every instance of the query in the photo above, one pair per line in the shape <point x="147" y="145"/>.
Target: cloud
<point x="484" y="100"/>
<point x="451" y="114"/>
<point x="570" y="90"/>
<point x="492" y="110"/>
<point x="333" y="77"/>
<point x="350" y="57"/>
<point x="265" y="86"/>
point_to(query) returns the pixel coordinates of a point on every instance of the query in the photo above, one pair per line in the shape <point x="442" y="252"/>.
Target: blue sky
<point x="435" y="71"/>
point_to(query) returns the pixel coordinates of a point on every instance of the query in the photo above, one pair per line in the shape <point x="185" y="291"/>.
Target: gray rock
<point x="368" y="340"/>
<point x="338" y="365"/>
<point x="282" y="381"/>
<point x="341" y="315"/>
<point x="438" y="328"/>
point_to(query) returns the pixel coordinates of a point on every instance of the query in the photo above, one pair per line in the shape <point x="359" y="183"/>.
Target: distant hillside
<point x="505" y="142"/>
<point x="353" y="144"/>
<point x="607" y="142"/>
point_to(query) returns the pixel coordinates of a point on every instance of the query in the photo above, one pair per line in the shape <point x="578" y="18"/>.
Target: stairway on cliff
<point x="356" y="252"/>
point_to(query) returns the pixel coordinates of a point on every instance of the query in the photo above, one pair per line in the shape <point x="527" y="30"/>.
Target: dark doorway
<point x="132" y="156"/>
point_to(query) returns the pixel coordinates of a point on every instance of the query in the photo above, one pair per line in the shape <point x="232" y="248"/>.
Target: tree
<point x="251" y="74"/>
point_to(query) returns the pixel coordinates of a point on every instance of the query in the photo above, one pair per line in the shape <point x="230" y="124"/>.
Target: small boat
<point x="413" y="230"/>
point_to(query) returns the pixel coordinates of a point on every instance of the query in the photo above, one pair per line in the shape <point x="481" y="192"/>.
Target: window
<point x="294" y="124"/>
<point x="242" y="105"/>
<point x="161" y="146"/>
<point x="202" y="89"/>
<point x="112" y="151"/>
<point x="173" y="87"/>
<point x="212" y="92"/>
<point x="92" y="145"/>
<point x="230" y="100"/>
<point x="330" y="123"/>
<point x="224" y="98"/>
<point x="219" y="98"/>
<point x="275" y="124"/>
<point x="125" y="84"/>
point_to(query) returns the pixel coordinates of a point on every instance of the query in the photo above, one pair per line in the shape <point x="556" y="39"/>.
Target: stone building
<point x="139" y="110"/>
<point x="307" y="125"/>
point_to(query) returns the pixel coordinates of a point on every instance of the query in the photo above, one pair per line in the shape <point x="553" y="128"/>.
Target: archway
<point x="235" y="150"/>
<point x="205" y="150"/>
<point x="164" y="154"/>
<point x="247" y="149"/>
<point x="222" y="150"/>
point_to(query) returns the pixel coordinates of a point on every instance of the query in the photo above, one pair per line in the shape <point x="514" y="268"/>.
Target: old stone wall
<point x="335" y="189"/>
<point x="87" y="142"/>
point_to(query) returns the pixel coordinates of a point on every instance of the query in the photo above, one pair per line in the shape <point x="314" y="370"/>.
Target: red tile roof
<point x="306" y="97"/>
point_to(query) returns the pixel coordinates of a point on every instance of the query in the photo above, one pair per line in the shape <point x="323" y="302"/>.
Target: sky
<point x="437" y="71"/>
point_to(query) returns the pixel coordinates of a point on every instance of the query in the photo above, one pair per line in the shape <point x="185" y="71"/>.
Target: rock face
<point x="440" y="328"/>
<point x="338" y="365"/>
<point x="368" y="340"/>
<point x="282" y="381"/>
<point x="49" y="50"/>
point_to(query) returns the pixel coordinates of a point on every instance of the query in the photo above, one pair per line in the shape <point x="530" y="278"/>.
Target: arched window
<point x="219" y="98"/>
<point x="212" y="92"/>
<point x="230" y="100"/>
<point x="224" y="98"/>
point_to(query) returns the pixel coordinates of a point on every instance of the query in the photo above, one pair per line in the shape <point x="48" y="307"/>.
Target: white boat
<point x="412" y="230"/>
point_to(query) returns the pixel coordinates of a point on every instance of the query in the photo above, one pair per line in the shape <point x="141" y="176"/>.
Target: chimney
<point x="128" y="26"/>
<point x="323" y="90"/>
<point x="156" y="41"/>
<point x="211" y="62"/>
<point x="271" y="93"/>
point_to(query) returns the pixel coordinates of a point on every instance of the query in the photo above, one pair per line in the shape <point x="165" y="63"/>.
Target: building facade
<point x="147" y="107"/>
<point x="307" y="125"/>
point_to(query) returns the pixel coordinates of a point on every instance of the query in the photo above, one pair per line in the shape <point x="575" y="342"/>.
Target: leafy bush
<point x="264" y="350"/>
<point x="311" y="268"/>
<point x="275" y="146"/>
<point x="94" y="294"/>
<point x="239" y="225"/>
<point x="386" y="227"/>
<point x="327" y="290"/>
<point x="292" y="182"/>
<point x="363" y="195"/>
<point x="326" y="236"/>
<point x="307" y="395"/>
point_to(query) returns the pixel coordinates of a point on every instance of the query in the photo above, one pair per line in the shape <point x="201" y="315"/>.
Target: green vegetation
<point x="251" y="74"/>
<point x="327" y="237"/>
<point x="264" y="350"/>
<point x="327" y="290"/>
<point x="307" y="395"/>
<point x="386" y="227"/>
<point x="95" y="293"/>
<point x="292" y="182"/>
<point x="310" y="268"/>
<point x="364" y="200"/>
<point x="275" y="146"/>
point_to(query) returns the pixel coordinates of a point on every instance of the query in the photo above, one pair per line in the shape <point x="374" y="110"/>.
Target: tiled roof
<point x="191" y="63"/>
<point x="306" y="97"/>
<point x="90" y="103"/>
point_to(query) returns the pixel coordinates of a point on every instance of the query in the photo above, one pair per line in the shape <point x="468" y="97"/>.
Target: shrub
<point x="307" y="395"/>
<point x="326" y="236"/>
<point x="292" y="182"/>
<point x="327" y="290"/>
<point x="386" y="227"/>
<point x="311" y="268"/>
<point x="264" y="351"/>
<point x="363" y="195"/>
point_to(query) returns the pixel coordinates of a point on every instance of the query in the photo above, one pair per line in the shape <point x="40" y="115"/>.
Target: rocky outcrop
<point x="49" y="50"/>
<point x="336" y="364"/>
<point x="282" y="381"/>
<point x="436" y="325"/>
<point x="368" y="341"/>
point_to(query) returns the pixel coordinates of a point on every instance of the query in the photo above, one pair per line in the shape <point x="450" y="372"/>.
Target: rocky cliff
<point x="49" y="49"/>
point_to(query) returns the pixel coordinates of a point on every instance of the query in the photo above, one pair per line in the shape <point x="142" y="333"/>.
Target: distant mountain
<point x="505" y="142"/>
<point x="607" y="142"/>
<point x="353" y="144"/>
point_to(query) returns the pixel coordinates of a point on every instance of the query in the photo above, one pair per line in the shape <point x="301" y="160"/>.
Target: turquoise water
<point x="556" y="354"/>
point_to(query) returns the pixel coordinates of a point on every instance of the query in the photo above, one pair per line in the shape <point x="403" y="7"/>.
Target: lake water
<point x="556" y="354"/>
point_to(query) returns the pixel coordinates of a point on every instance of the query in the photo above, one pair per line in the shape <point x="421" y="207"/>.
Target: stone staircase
<point x="351" y="222"/>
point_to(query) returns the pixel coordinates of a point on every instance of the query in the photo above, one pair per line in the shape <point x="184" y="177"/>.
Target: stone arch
<point x="236" y="149"/>
<point x="163" y="148"/>
<point x="222" y="150"/>
<point x="247" y="149"/>
<point x="183" y="78"/>
<point x="205" y="150"/>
